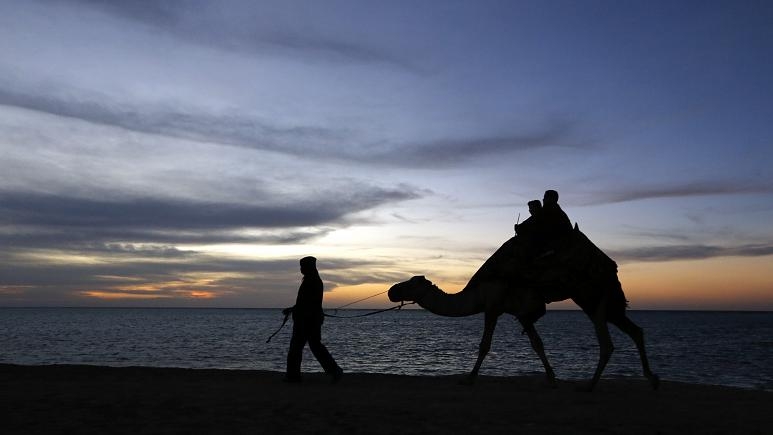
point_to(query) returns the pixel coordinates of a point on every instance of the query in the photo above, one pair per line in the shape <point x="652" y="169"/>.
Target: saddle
<point x="554" y="272"/>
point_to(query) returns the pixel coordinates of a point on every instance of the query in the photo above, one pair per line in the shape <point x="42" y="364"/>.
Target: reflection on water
<point x="726" y="348"/>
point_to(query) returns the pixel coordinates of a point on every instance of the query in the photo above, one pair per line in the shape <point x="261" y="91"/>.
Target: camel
<point x="506" y="283"/>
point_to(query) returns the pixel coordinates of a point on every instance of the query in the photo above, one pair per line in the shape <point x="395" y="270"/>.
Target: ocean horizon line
<point x="418" y="309"/>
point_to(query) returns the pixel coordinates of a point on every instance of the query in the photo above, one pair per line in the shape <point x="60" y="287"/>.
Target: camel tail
<point x="617" y="303"/>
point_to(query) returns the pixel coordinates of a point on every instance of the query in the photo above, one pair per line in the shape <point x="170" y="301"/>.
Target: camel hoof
<point x="587" y="388"/>
<point x="467" y="380"/>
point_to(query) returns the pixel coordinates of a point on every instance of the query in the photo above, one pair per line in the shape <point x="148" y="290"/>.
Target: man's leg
<point x="295" y="354"/>
<point x="320" y="351"/>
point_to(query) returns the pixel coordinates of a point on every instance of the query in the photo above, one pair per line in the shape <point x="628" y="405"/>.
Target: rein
<point x="287" y="316"/>
<point x="396" y="307"/>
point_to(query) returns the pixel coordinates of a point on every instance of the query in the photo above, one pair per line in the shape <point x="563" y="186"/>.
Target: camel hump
<point x="492" y="267"/>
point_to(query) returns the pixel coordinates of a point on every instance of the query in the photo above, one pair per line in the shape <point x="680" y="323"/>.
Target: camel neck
<point x="464" y="303"/>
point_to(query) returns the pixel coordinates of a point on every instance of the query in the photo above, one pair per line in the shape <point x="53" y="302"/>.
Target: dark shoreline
<point x="407" y="308"/>
<point x="97" y="399"/>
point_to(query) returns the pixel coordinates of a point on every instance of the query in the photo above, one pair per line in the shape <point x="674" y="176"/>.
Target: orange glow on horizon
<point x="722" y="283"/>
<point x="347" y="294"/>
<point x="717" y="283"/>
<point x="202" y="295"/>
<point x="121" y="295"/>
<point x="190" y="289"/>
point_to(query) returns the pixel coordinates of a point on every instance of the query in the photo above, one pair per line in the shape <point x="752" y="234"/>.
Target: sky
<point x="189" y="153"/>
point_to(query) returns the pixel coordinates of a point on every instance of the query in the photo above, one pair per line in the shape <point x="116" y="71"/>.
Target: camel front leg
<point x="490" y="323"/>
<point x="536" y="344"/>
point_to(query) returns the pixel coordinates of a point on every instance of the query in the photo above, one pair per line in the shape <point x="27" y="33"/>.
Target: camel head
<point x="410" y="290"/>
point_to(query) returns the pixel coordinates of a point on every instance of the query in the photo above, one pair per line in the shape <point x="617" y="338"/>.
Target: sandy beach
<point x="137" y="400"/>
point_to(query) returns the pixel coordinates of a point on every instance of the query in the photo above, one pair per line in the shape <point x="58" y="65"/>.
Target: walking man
<point x="307" y="325"/>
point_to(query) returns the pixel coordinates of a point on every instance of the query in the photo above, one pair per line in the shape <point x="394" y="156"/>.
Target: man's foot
<point x="337" y="375"/>
<point x="292" y="379"/>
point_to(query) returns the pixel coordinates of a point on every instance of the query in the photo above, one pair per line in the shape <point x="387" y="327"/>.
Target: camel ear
<point x="576" y="227"/>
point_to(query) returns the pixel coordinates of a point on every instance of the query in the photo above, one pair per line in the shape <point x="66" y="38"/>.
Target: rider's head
<point x="550" y="198"/>
<point x="534" y="207"/>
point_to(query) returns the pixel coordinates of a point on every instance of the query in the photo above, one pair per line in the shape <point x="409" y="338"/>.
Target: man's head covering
<point x="309" y="262"/>
<point x="551" y="197"/>
<point x="535" y="204"/>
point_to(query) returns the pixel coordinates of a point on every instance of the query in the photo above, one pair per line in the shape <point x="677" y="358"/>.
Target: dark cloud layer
<point x="679" y="190"/>
<point x="134" y="247"/>
<point x="236" y="129"/>
<point x="45" y="220"/>
<point x="151" y="213"/>
<point x="236" y="283"/>
<point x="95" y="239"/>
<point x="253" y="34"/>
<point x="690" y="252"/>
<point x="447" y="153"/>
<point x="186" y="123"/>
<point x="159" y="13"/>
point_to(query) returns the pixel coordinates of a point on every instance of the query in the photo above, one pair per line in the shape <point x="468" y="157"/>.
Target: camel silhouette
<point x="507" y="283"/>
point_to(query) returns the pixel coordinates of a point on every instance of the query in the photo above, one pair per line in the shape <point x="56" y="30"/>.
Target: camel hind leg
<point x="606" y="347"/>
<point x="605" y="352"/>
<point x="637" y="335"/>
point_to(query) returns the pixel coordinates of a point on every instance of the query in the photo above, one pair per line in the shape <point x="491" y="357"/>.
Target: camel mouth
<point x="402" y="291"/>
<point x="393" y="293"/>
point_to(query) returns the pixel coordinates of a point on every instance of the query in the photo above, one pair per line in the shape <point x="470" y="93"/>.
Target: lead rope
<point x="360" y="300"/>
<point x="396" y="307"/>
<point x="287" y="316"/>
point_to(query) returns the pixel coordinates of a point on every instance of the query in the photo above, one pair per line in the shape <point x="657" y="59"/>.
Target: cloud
<point x="679" y="190"/>
<point x="35" y="219"/>
<point x="143" y="251"/>
<point x="166" y="13"/>
<point x="452" y="152"/>
<point x="175" y="121"/>
<point x="243" y="27"/>
<point x="239" y="129"/>
<point x="152" y="214"/>
<point x="102" y="239"/>
<point x="188" y="280"/>
<point x="179" y="281"/>
<point x="689" y="252"/>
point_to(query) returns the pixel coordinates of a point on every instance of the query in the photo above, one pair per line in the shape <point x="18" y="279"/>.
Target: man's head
<point x="534" y="207"/>
<point x="308" y="265"/>
<point x="550" y="198"/>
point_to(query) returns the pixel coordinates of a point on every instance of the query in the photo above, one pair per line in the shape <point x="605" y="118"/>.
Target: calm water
<point x="722" y="348"/>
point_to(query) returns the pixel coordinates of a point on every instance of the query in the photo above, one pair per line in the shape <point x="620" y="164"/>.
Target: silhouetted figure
<point x="530" y="234"/>
<point x="555" y="226"/>
<point x="528" y="228"/>
<point x="307" y="325"/>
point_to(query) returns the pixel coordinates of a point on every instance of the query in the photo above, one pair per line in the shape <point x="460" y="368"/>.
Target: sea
<point x="716" y="348"/>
